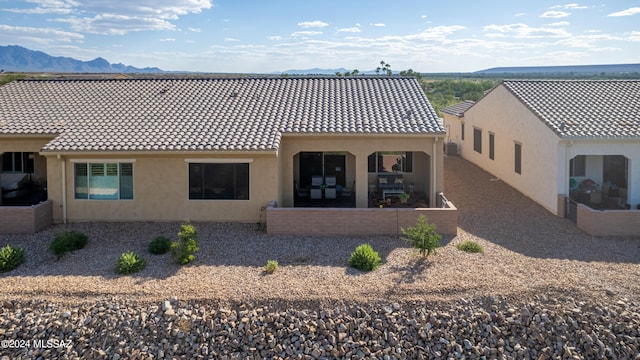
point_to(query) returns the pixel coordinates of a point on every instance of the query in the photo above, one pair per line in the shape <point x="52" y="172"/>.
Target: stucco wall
<point x="345" y="221"/>
<point x="25" y="219"/>
<point x="609" y="223"/>
<point x="502" y="114"/>
<point x="161" y="191"/>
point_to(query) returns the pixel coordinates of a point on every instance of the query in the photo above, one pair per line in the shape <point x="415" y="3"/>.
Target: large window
<point x="21" y="162"/>
<point x="477" y="140"/>
<point x="103" y="181"/>
<point x="391" y="161"/>
<point x="518" y="158"/>
<point x="221" y="181"/>
<point x="577" y="166"/>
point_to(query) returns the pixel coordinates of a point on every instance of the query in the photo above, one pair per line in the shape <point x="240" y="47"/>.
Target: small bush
<point x="423" y="236"/>
<point x="10" y="258"/>
<point x="364" y="258"/>
<point x="271" y="267"/>
<point x="67" y="241"/>
<point x="470" y="247"/>
<point x="130" y="262"/>
<point x="159" y="245"/>
<point x="182" y="251"/>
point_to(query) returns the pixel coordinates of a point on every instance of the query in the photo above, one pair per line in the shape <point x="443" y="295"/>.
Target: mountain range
<point x="19" y="59"/>
<point x="15" y="58"/>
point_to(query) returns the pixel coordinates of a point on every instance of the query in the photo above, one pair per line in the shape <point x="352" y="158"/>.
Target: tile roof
<point x="200" y="114"/>
<point x="583" y="108"/>
<point x="459" y="108"/>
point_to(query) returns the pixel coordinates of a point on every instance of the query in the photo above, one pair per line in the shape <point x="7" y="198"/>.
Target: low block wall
<point x="608" y="222"/>
<point x="356" y="221"/>
<point x="25" y="219"/>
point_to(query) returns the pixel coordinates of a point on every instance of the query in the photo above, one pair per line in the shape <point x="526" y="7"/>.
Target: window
<point x="477" y="140"/>
<point x="462" y="130"/>
<point x="391" y="161"/>
<point x="518" y="158"/>
<point x="103" y="181"/>
<point x="577" y="166"/>
<point x="21" y="162"/>
<point x="219" y="181"/>
<point x="492" y="144"/>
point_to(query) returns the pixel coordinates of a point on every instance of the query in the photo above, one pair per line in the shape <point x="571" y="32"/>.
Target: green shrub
<point x="10" y="258"/>
<point x="67" y="241"/>
<point x="160" y="245"/>
<point x="130" y="262"/>
<point x="187" y="245"/>
<point x="271" y="267"/>
<point x="364" y="258"/>
<point x="470" y="247"/>
<point x="423" y="236"/>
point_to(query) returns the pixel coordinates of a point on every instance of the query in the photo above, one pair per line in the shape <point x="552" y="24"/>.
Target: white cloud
<point x="525" y="31"/>
<point x="560" y="23"/>
<point x="275" y="38"/>
<point x="312" y="24"/>
<point x="628" y="12"/>
<point x="379" y="24"/>
<point x="554" y="14"/>
<point x="350" y="30"/>
<point x="168" y="40"/>
<point x="117" y="17"/>
<point x="306" y="33"/>
<point x="196" y="30"/>
<point x="229" y="39"/>
<point x="570" y="6"/>
<point x="18" y="34"/>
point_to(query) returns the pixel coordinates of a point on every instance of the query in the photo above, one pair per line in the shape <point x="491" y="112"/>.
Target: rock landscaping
<point x="480" y="328"/>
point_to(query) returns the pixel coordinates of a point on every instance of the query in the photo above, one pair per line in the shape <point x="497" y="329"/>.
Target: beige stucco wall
<point x="161" y="191"/>
<point x="501" y="113"/>
<point x="360" y="147"/>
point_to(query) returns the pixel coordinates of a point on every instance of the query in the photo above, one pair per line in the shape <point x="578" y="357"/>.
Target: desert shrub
<point x="67" y="241"/>
<point x="187" y="245"/>
<point x="10" y="258"/>
<point x="159" y="245"/>
<point x="130" y="262"/>
<point x="470" y="247"/>
<point x="364" y="258"/>
<point x="271" y="267"/>
<point x="423" y="236"/>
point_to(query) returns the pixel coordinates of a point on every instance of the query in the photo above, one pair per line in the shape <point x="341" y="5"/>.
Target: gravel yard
<point x="527" y="251"/>
<point x="530" y="257"/>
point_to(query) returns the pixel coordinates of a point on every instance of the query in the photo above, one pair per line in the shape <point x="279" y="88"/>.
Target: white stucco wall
<point x="500" y="113"/>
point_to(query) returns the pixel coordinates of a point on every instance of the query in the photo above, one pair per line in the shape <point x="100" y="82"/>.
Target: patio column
<point x="362" y="180"/>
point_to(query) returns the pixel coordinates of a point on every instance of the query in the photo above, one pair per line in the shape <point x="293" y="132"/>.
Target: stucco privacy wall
<point x="609" y="222"/>
<point x="161" y="190"/>
<point x="373" y="221"/>
<point x="25" y="219"/>
<point x="360" y="147"/>
<point x="501" y="113"/>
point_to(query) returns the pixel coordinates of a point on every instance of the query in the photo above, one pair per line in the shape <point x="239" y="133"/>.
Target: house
<point x="213" y="149"/>
<point x="567" y="144"/>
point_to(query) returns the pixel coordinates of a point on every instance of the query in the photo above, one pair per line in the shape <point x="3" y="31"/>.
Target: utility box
<point x="451" y="149"/>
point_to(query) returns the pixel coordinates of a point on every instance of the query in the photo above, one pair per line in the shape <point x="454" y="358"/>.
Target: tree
<point x="385" y="68"/>
<point x="423" y="236"/>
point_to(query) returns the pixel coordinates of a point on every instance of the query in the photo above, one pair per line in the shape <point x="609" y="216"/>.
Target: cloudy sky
<point x="276" y="35"/>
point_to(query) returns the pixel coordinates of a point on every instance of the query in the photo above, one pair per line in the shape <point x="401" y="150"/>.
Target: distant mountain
<point x="577" y="69"/>
<point x="19" y="59"/>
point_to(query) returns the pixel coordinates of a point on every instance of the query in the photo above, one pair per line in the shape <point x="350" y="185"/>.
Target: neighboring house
<point x="553" y="139"/>
<point x="212" y="149"/>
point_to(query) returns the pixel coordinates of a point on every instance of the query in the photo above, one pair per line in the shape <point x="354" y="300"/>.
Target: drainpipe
<point x="64" y="189"/>
<point x="433" y="174"/>
<point x="567" y="177"/>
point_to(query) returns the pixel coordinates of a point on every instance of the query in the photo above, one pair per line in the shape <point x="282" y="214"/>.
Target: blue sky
<point x="275" y="35"/>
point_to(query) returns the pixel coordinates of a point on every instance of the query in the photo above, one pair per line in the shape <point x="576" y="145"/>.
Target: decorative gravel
<point x="530" y="258"/>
